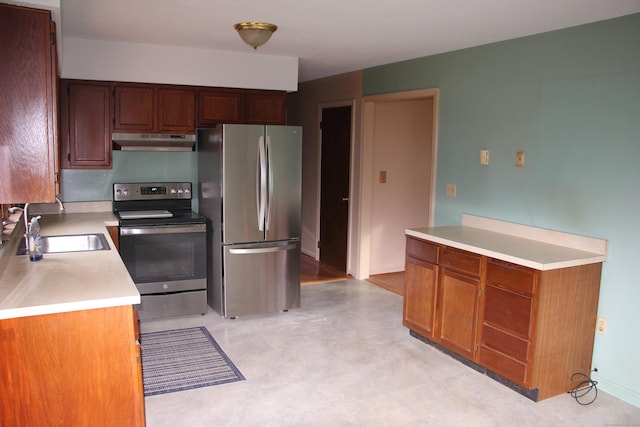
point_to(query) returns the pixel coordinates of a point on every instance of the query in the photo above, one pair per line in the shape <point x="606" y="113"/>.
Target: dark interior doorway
<point x="334" y="186"/>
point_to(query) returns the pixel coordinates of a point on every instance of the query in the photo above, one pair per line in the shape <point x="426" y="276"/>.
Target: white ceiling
<point x="332" y="36"/>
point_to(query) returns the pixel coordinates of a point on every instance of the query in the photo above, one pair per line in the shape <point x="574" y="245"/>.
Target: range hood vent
<point x="154" y="141"/>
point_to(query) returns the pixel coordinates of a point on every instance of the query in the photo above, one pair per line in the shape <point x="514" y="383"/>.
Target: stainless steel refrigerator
<point x="249" y="190"/>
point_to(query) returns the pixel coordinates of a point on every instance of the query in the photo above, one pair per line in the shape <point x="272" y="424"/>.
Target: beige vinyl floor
<point x="344" y="359"/>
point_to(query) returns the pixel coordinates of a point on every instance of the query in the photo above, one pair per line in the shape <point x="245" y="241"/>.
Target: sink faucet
<point x="26" y="219"/>
<point x="60" y="203"/>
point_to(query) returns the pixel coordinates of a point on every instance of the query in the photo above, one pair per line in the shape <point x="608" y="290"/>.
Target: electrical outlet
<point x="601" y="326"/>
<point x="382" y="179"/>
<point x="484" y="157"/>
<point x="451" y="190"/>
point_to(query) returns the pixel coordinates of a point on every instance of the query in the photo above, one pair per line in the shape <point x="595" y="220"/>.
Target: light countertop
<point x="69" y="281"/>
<point x="540" y="249"/>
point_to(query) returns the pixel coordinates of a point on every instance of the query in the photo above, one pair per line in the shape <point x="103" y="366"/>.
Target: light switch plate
<point x="484" y="157"/>
<point x="451" y="190"/>
<point x="520" y="159"/>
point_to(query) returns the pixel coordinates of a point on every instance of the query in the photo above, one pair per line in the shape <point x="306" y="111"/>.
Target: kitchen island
<point x="68" y="332"/>
<point x="515" y="302"/>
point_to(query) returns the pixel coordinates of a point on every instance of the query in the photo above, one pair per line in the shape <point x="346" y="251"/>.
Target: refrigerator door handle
<point x="261" y="184"/>
<point x="247" y="251"/>
<point x="269" y="184"/>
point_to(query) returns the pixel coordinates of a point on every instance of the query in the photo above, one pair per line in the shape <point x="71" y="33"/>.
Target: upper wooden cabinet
<point x="90" y="111"/>
<point x="219" y="106"/>
<point x="153" y="108"/>
<point x="85" y="131"/>
<point x="176" y="110"/>
<point x="265" y="107"/>
<point x="28" y="106"/>
<point x="134" y="108"/>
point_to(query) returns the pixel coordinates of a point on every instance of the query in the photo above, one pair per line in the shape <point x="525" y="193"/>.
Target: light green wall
<point x="130" y="166"/>
<point x="571" y="100"/>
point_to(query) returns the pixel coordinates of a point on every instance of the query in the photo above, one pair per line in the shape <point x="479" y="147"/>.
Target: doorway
<point x="335" y="162"/>
<point x="399" y="147"/>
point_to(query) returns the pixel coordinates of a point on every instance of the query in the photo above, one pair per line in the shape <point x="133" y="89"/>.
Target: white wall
<point x="135" y="62"/>
<point x="402" y="148"/>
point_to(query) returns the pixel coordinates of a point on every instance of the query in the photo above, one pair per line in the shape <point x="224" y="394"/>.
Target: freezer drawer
<point x="261" y="278"/>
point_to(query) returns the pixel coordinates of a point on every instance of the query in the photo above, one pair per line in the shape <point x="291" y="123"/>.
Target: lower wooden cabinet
<point x="114" y="233"/>
<point x="458" y="301"/>
<point x="421" y="278"/>
<point x="530" y="329"/>
<point x="80" y="368"/>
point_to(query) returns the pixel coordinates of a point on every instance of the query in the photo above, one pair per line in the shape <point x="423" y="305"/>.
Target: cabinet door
<point x="420" y="297"/>
<point x="217" y="107"/>
<point x="88" y="126"/>
<point x="266" y="108"/>
<point x="458" y="301"/>
<point x="134" y="108"/>
<point x="176" y="110"/>
<point x="458" y="312"/>
<point x="71" y="369"/>
<point x="28" y="124"/>
<point x="421" y="280"/>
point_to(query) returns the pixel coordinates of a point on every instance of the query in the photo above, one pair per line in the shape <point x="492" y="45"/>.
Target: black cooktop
<point x="178" y="217"/>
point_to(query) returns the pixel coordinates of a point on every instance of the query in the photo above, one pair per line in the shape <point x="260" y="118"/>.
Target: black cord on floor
<point x="582" y="392"/>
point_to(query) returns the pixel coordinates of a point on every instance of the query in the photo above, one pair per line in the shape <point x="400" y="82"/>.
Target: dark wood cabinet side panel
<point x="27" y="106"/>
<point x="565" y="329"/>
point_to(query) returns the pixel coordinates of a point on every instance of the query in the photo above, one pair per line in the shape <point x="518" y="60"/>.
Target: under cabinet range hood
<point x="154" y="141"/>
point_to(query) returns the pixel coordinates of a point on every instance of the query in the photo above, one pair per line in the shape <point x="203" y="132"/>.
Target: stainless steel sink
<point x="69" y="243"/>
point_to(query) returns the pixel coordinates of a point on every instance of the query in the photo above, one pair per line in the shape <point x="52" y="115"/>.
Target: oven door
<point x="165" y="258"/>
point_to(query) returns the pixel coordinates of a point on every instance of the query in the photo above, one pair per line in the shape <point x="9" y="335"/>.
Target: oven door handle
<point x="171" y="229"/>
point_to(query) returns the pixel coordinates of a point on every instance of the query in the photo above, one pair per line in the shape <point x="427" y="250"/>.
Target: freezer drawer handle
<point x="249" y="251"/>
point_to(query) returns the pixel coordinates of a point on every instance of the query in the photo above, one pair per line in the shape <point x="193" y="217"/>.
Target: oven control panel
<point x="151" y="191"/>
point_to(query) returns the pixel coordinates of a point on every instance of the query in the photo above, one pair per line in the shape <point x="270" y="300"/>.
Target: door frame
<point x="367" y="174"/>
<point x="321" y="107"/>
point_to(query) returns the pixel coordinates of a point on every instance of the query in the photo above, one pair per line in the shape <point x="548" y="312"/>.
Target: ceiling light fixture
<point x="255" y="33"/>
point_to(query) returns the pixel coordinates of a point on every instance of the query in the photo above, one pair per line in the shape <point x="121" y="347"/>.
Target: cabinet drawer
<point x="462" y="261"/>
<point x="508" y="344"/>
<point x="422" y="250"/>
<point x="510" y="276"/>
<point x="508" y="310"/>
<point x="501" y="364"/>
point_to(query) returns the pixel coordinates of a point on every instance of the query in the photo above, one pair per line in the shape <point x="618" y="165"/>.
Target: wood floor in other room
<point x="312" y="271"/>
